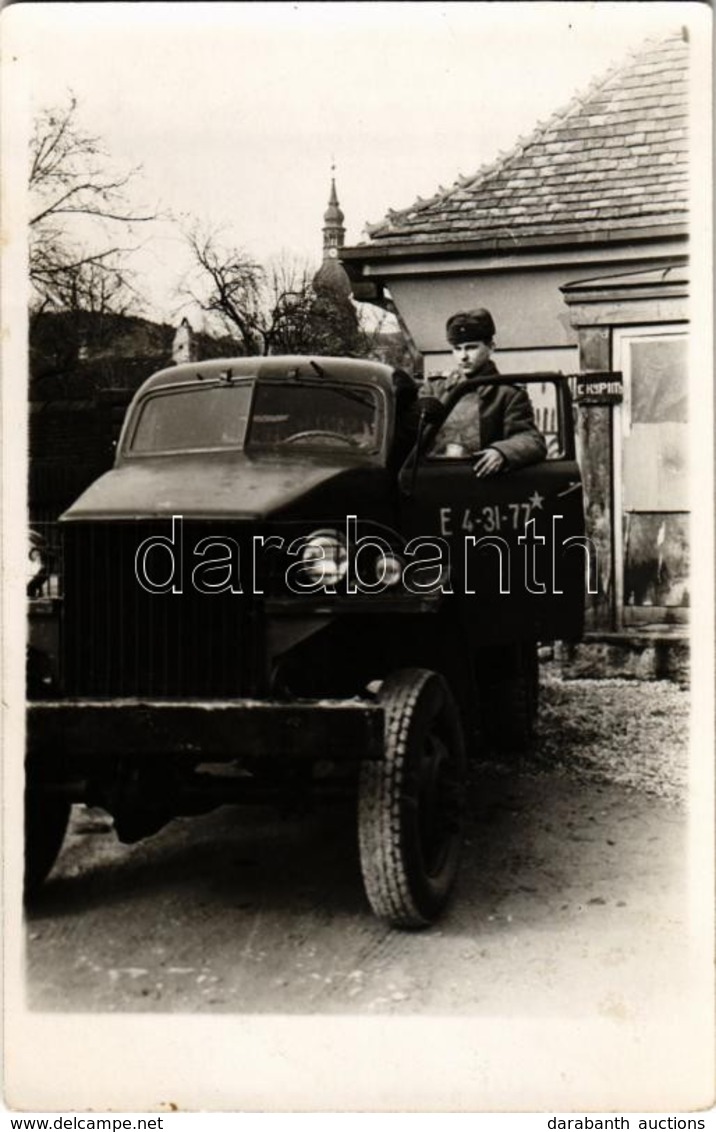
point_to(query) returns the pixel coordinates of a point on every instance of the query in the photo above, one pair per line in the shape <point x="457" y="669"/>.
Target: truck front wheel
<point x="411" y="804"/>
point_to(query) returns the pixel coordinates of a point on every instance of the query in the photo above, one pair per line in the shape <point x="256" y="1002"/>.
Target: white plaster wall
<point x="525" y="300"/>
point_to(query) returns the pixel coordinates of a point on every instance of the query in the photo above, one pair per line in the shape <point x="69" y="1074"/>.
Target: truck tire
<point x="46" y="819"/>
<point x="411" y="803"/>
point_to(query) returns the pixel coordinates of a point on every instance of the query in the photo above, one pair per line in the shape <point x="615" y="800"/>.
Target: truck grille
<point x="120" y="640"/>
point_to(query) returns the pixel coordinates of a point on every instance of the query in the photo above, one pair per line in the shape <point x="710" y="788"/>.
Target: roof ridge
<point x="505" y="157"/>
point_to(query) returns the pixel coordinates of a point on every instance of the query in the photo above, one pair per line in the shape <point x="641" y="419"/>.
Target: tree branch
<point x="67" y="179"/>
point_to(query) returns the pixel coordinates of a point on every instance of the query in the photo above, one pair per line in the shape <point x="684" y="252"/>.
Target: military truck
<point x="280" y="592"/>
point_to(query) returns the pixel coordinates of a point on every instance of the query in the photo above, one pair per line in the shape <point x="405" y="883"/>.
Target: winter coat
<point x="493" y="416"/>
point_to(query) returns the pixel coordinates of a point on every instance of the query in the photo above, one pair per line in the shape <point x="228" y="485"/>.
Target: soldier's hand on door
<point x="488" y="463"/>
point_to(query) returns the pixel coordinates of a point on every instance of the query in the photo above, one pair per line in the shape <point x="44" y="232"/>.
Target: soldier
<point x="495" y="423"/>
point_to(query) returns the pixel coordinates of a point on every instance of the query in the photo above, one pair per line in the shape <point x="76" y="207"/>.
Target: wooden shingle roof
<point x="615" y="159"/>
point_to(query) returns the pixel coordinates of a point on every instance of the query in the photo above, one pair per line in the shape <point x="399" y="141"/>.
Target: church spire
<point x="331" y="277"/>
<point x="334" y="233"/>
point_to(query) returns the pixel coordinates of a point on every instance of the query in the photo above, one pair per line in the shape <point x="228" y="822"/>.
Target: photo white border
<point x="378" y="1064"/>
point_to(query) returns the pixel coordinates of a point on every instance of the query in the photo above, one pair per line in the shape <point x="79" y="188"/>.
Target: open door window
<point x="516" y="541"/>
<point x="460" y="435"/>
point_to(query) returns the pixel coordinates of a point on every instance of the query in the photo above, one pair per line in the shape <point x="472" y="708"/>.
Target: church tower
<point x="331" y="275"/>
<point x="334" y="234"/>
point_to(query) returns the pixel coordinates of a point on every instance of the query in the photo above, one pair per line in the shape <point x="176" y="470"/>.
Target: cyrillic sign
<point x="604" y="388"/>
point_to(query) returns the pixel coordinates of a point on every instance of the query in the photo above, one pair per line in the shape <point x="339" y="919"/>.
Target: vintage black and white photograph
<point x="357" y="420"/>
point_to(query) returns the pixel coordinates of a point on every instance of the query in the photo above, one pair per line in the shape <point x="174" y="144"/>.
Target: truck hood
<point x="206" y="486"/>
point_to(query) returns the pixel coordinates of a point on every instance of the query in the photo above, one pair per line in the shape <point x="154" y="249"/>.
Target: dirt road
<point x="571" y="897"/>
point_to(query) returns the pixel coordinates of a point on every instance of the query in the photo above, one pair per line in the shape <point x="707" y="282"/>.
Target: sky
<point x="235" y="112"/>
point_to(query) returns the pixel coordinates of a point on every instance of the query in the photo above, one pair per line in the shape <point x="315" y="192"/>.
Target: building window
<point x="651" y="473"/>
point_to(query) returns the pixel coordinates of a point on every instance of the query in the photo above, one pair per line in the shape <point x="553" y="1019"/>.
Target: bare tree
<point x="279" y="308"/>
<point x="268" y="308"/>
<point x="290" y="299"/>
<point x="228" y="285"/>
<point x="72" y="187"/>
<point x="92" y="283"/>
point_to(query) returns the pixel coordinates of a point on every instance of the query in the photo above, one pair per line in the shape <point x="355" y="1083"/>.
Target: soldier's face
<point x="470" y="357"/>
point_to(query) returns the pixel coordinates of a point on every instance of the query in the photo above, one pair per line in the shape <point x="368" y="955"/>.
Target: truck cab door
<point x="519" y="561"/>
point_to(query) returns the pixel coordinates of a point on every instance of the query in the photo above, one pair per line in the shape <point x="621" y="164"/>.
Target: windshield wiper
<point x="351" y="394"/>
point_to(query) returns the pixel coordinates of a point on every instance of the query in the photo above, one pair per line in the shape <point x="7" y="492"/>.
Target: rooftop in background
<point x="613" y="161"/>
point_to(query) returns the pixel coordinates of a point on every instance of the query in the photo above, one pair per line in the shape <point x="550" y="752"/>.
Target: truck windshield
<point x="314" y="414"/>
<point x="196" y="418"/>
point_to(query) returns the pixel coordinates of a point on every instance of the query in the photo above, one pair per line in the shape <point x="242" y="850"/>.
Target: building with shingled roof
<point x="576" y="240"/>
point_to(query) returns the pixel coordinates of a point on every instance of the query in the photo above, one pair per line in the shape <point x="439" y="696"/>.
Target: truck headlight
<point x="324" y="558"/>
<point x="392" y="569"/>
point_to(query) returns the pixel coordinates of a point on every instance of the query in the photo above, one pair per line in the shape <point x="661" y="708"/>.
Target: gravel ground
<point x="632" y="733"/>
<point x="572" y="902"/>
